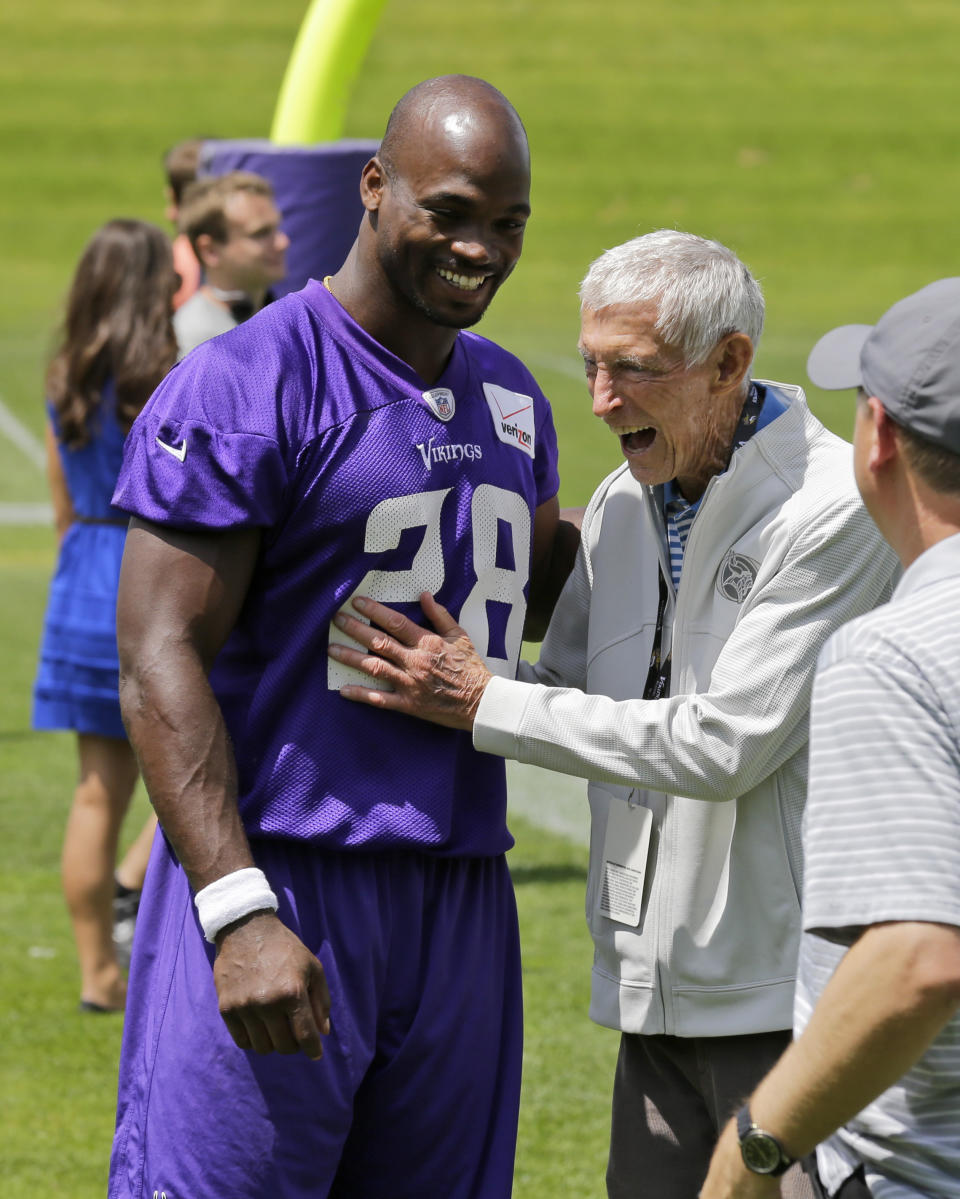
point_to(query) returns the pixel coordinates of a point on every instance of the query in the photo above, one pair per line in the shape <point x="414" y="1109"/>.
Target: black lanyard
<point x="658" y="676"/>
<point x="749" y="415"/>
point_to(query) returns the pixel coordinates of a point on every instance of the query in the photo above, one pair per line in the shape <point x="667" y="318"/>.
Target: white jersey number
<point x="491" y="508"/>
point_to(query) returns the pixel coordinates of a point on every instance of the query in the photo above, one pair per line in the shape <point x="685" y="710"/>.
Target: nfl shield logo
<point x="441" y="403"/>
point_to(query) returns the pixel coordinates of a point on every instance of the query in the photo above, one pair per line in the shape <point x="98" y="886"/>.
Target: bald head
<point x="447" y="200"/>
<point x="459" y="110"/>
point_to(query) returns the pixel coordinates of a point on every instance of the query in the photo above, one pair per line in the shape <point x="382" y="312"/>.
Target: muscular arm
<point x="180" y="595"/>
<point x="888" y="999"/>
<point x="556" y="538"/>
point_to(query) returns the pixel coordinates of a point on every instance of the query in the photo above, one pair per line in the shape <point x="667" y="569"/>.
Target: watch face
<point x="761" y="1153"/>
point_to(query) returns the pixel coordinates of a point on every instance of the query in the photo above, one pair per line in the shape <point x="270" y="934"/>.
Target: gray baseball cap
<point x="909" y="360"/>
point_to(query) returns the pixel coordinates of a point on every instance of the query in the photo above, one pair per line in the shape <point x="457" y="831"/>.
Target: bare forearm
<point x="181" y="741"/>
<point x="179" y="597"/>
<point x="271" y="989"/>
<point x="887" y="1000"/>
<point x="892" y="993"/>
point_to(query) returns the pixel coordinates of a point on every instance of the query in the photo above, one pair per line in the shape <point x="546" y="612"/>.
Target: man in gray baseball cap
<point x="908" y="361"/>
<point x="873" y="1076"/>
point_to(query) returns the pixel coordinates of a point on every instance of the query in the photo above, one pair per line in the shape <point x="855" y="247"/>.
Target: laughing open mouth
<point x="463" y="282"/>
<point x="637" y="439"/>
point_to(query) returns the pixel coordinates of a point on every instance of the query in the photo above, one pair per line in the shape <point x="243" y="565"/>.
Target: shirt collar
<point x="940" y="561"/>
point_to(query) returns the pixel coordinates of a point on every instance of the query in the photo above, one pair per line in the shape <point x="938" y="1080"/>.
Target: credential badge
<point x="736" y="576"/>
<point x="441" y="403"/>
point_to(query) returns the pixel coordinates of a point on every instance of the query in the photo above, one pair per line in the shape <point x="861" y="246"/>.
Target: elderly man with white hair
<point x="675" y="676"/>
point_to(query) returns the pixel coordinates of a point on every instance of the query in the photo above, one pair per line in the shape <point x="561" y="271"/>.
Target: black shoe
<point x="87" y="1005"/>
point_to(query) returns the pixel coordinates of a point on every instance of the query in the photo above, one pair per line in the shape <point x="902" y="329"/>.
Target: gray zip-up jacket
<point x="696" y="799"/>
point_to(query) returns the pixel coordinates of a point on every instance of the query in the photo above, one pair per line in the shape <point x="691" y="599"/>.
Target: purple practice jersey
<point x="364" y="483"/>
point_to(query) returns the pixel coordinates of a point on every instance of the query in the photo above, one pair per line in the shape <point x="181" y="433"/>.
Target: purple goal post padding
<point x="318" y="194"/>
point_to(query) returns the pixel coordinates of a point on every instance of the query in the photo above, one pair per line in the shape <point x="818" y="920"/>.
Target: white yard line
<point x="33" y="450"/>
<point x="26" y="514"/>
<point x="571" y="367"/>
<point x="21" y="437"/>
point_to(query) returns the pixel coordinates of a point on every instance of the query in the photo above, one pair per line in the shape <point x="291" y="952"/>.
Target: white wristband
<point x="231" y="897"/>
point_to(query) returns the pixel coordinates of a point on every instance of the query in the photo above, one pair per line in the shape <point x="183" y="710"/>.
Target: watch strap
<point x="748" y="1131"/>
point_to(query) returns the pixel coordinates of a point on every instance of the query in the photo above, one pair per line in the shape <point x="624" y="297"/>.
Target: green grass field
<point x="818" y="139"/>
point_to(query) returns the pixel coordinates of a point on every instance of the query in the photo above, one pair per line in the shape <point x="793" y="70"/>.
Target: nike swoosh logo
<point x="179" y="452"/>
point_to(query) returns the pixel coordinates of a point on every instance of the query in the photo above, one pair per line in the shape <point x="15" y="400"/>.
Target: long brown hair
<point x="118" y="325"/>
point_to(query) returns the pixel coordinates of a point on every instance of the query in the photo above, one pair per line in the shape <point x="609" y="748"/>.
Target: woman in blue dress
<point x="117" y="345"/>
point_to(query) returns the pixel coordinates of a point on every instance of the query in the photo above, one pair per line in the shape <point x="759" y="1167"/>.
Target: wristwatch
<point x="762" y="1153"/>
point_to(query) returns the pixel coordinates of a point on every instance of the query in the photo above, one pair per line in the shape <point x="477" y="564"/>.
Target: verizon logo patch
<point x="512" y="413"/>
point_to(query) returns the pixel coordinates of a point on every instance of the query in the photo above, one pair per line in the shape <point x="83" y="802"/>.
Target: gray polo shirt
<point x="882" y="843"/>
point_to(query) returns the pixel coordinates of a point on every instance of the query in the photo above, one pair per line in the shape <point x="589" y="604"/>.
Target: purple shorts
<point x="418" y="1089"/>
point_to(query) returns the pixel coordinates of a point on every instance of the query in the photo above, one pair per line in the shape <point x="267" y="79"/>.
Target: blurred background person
<point x="233" y="224"/>
<point x="117" y="344"/>
<point x="180" y="167"/>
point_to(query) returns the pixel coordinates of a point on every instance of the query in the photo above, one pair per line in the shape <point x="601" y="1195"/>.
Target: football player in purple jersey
<point x="330" y="884"/>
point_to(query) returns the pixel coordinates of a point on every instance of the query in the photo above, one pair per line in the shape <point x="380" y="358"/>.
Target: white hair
<point x="702" y="290"/>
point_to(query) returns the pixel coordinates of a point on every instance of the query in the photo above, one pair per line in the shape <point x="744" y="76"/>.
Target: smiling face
<point x="449" y="215"/>
<point x="673" y="421"/>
